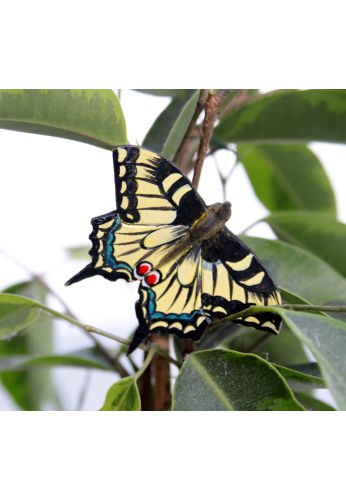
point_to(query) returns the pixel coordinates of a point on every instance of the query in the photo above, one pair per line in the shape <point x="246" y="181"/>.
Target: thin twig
<point x="211" y="111"/>
<point x="261" y="309"/>
<point x="39" y="279"/>
<point x="100" y="331"/>
<point x="253" y="224"/>
<point x="189" y="130"/>
<point x="225" y="178"/>
<point x="148" y="359"/>
<point x="84" y="390"/>
<point x="239" y="99"/>
<point x="314" y="307"/>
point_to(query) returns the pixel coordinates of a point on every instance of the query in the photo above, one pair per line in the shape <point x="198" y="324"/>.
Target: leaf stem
<point x="39" y="279"/>
<point x="313" y="307"/>
<point x="103" y="333"/>
<point x="294" y="307"/>
<point x="152" y="351"/>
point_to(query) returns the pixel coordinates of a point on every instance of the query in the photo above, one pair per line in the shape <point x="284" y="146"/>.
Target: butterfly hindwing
<point x="174" y="304"/>
<point x="118" y="248"/>
<point x="233" y="279"/>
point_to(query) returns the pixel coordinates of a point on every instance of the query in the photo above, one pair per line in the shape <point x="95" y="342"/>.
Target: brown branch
<point x="155" y="384"/>
<point x="145" y="386"/>
<point x="161" y="375"/>
<point x="238" y="100"/>
<point x="190" y="128"/>
<point x="211" y="112"/>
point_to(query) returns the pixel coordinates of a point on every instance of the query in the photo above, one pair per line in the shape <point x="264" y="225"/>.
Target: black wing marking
<point x="174" y="305"/>
<point x="118" y="248"/>
<point x="151" y="190"/>
<point x="233" y="279"/>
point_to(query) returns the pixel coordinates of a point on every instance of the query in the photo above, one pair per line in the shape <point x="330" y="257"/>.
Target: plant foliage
<point x="233" y="368"/>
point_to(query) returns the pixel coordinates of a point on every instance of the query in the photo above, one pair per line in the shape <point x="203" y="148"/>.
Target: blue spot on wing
<point x="171" y="316"/>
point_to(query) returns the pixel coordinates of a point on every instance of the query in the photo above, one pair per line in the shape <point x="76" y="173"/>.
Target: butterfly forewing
<point x="150" y="190"/>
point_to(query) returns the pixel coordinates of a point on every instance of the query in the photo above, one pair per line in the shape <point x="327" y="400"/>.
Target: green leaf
<point x="91" y="116"/>
<point x="179" y="127"/>
<point x="83" y="358"/>
<point x="300" y="381"/>
<point x="16" y="313"/>
<point x="284" y="349"/>
<point x="310" y="368"/>
<point x="30" y="390"/>
<point x="319" y="233"/>
<point x="300" y="272"/>
<point x="228" y="380"/>
<point x="160" y="130"/>
<point x="123" y="396"/>
<point x="288" y="177"/>
<point x="312" y="404"/>
<point x="287" y="116"/>
<point x="326" y="339"/>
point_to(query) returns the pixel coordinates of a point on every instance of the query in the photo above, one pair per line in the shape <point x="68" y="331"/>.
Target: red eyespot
<point x="143" y="268"/>
<point x="153" y="278"/>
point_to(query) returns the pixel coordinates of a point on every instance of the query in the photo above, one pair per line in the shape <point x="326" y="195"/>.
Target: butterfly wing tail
<point x="86" y="272"/>
<point x="103" y="262"/>
<point x="140" y="335"/>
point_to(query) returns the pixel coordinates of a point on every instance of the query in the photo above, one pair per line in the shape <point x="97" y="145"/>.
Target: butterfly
<point x="192" y="269"/>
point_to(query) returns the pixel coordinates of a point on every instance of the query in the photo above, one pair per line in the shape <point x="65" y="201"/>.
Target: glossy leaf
<point x="288" y="177"/>
<point x="123" y="396"/>
<point x="313" y="404"/>
<point x="320" y="234"/>
<point x="91" y="116"/>
<point x="31" y="390"/>
<point x="179" y="127"/>
<point x="161" y="128"/>
<point x="228" y="380"/>
<point x="283" y="349"/>
<point x="16" y="313"/>
<point x="326" y="339"/>
<point x="84" y="358"/>
<point x="300" y="272"/>
<point x="287" y="116"/>
<point x="300" y="381"/>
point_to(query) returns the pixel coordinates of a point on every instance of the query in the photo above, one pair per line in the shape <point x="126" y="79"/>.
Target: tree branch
<point x="211" y="112"/>
<point x="200" y="105"/>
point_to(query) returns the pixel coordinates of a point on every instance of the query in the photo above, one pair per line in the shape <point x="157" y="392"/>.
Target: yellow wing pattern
<point x="156" y="206"/>
<point x="233" y="279"/>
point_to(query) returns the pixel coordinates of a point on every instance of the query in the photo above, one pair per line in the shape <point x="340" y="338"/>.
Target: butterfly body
<point x="192" y="270"/>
